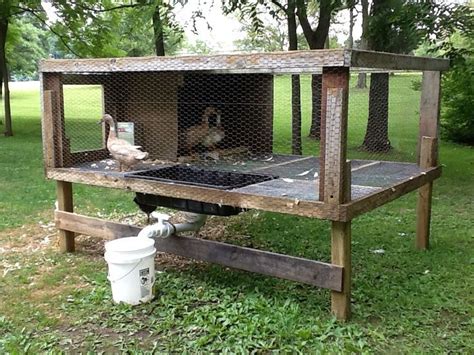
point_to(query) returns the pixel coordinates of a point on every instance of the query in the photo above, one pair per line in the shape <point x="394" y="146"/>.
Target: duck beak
<point x="101" y="121"/>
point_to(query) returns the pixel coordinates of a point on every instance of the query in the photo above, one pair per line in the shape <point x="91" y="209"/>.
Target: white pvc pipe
<point x="163" y="228"/>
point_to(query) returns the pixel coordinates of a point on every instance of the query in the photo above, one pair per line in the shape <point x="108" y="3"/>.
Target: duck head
<point x="107" y="119"/>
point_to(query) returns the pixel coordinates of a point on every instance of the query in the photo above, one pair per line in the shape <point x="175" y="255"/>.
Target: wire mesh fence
<point x="257" y="123"/>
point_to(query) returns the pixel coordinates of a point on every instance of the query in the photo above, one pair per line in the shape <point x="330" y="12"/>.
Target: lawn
<point x="403" y="300"/>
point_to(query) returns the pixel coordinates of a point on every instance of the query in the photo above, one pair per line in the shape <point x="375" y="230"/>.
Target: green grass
<point x="404" y="301"/>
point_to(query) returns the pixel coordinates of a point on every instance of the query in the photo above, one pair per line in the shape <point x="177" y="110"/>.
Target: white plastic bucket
<point x="131" y="269"/>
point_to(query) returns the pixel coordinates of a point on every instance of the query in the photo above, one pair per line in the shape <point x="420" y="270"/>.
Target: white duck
<point x="125" y="153"/>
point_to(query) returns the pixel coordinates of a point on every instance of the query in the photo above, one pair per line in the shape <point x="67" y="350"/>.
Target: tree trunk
<point x="316" y="95"/>
<point x="316" y="40"/>
<point x="376" y="135"/>
<point x="361" y="81"/>
<point x="350" y="39"/>
<point x="362" y="77"/>
<point x="4" y="70"/>
<point x="296" y="146"/>
<point x="158" y="31"/>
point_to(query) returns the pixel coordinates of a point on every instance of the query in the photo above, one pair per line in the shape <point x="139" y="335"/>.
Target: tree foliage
<point x="83" y="28"/>
<point x="28" y="43"/>
<point x="271" y="38"/>
<point x="457" y="116"/>
<point x="400" y="26"/>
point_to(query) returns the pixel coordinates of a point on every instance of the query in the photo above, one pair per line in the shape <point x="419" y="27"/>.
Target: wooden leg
<point x="423" y="216"/>
<point x="64" y="196"/>
<point x="341" y="255"/>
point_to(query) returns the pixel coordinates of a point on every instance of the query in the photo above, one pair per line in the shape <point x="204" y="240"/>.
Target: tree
<point x="282" y="11"/>
<point x="198" y="47"/>
<point x="83" y="28"/>
<point x="27" y="45"/>
<point x="151" y="29"/>
<point x="70" y="14"/>
<point x="316" y="39"/>
<point x="458" y="102"/>
<point x="399" y="26"/>
<point x="457" y="119"/>
<point x="362" y="77"/>
<point x="271" y="38"/>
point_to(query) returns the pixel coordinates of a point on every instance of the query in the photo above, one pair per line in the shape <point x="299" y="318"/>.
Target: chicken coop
<point x="327" y="134"/>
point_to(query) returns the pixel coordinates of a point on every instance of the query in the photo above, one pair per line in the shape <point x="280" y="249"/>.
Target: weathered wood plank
<point x="95" y="227"/>
<point x="53" y="82"/>
<point x="341" y="255"/>
<point x="381" y="197"/>
<point x="65" y="203"/>
<point x="428" y="159"/>
<point x="48" y="129"/>
<point x="276" y="62"/>
<point x="272" y="264"/>
<point x="333" y="134"/>
<point x="429" y="107"/>
<point x="381" y="60"/>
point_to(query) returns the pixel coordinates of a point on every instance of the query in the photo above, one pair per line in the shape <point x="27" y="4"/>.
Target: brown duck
<point x="126" y="154"/>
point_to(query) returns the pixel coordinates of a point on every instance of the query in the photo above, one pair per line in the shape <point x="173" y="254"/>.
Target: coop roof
<point x="276" y="62"/>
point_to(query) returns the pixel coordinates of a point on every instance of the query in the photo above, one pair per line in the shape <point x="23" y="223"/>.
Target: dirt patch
<point x="43" y="236"/>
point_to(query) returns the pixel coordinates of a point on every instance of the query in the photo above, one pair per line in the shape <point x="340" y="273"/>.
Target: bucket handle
<point x="126" y="274"/>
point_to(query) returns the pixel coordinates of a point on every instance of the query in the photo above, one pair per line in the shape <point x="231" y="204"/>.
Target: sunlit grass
<point x="404" y="301"/>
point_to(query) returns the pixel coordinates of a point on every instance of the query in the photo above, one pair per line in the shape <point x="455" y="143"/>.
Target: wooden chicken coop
<point x="212" y="128"/>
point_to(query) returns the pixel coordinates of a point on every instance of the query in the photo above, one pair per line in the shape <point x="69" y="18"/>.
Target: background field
<point x="403" y="300"/>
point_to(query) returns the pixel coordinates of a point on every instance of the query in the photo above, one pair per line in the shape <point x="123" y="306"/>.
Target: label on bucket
<point x="145" y="282"/>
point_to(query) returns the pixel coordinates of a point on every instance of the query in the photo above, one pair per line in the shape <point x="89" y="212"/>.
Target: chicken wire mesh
<point x="383" y="121"/>
<point x="231" y="130"/>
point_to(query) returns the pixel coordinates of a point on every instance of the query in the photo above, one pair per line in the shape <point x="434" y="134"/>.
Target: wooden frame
<point x="302" y="270"/>
<point x="278" y="62"/>
<point x="316" y="209"/>
<point x="334" y="203"/>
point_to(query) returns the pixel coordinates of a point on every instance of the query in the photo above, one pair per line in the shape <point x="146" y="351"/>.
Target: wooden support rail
<point x="287" y="267"/>
<point x="378" y="198"/>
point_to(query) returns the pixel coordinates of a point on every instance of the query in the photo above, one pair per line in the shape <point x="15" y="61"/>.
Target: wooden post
<point x="332" y="159"/>
<point x="65" y="203"/>
<point x="341" y="255"/>
<point x="429" y="107"/>
<point x="53" y="111"/>
<point x="427" y="151"/>
<point x="335" y="178"/>
<point x="428" y="159"/>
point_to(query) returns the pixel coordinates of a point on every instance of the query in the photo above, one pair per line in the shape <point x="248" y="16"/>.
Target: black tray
<point x="190" y="175"/>
<point x="186" y="205"/>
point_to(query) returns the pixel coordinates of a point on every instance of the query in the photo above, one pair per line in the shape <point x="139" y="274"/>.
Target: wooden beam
<point x="429" y="107"/>
<point x="65" y="203"/>
<point x="381" y="197"/>
<point x="275" y="62"/>
<point x="341" y="255"/>
<point x="49" y="102"/>
<point x="278" y="265"/>
<point x="315" y="209"/>
<point x="428" y="159"/>
<point x="381" y="60"/>
<point x="52" y="82"/>
<point x="333" y="145"/>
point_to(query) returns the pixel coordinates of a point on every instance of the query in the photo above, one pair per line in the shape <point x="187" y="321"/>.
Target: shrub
<point x="457" y="118"/>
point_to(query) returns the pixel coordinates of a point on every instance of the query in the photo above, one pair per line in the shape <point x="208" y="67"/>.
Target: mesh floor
<point x="298" y="177"/>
